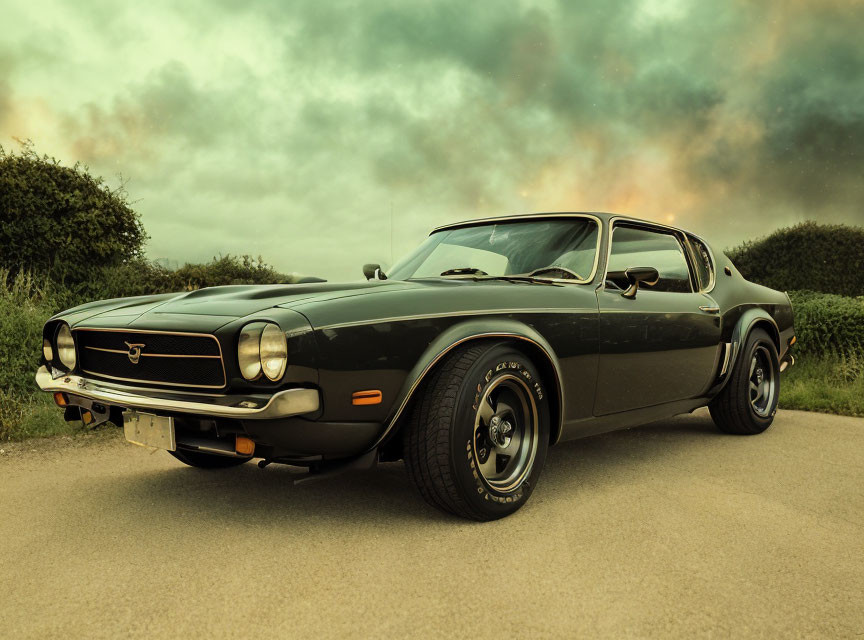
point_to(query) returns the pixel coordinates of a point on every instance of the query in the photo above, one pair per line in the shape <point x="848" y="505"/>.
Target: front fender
<point x="465" y="332"/>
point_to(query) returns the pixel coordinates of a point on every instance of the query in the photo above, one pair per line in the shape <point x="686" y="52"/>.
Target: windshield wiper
<point x="528" y="279"/>
<point x="464" y="271"/>
<point x="479" y="274"/>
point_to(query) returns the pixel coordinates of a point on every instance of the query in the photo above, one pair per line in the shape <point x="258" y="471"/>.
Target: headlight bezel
<point x="259" y="343"/>
<point x="64" y="343"/>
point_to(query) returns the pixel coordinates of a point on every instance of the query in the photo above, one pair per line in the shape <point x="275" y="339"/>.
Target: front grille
<point x="163" y="359"/>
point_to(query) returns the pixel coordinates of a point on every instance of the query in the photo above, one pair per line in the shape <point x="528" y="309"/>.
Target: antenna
<point x="391" y="232"/>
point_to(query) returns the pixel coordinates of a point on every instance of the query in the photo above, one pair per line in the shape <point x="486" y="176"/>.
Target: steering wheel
<point x="537" y="272"/>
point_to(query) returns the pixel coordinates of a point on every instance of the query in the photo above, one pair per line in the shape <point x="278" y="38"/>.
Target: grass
<point x="32" y="416"/>
<point x="831" y="384"/>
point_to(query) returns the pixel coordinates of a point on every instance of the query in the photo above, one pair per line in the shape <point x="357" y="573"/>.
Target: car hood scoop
<point x="242" y="300"/>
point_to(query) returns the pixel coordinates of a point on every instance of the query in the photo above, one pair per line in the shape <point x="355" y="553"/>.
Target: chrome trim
<point x="156" y="382"/>
<point x="148" y="355"/>
<point x="558" y="383"/>
<point x="539" y="216"/>
<point x="515" y="216"/>
<point x="713" y="282"/>
<point x="727" y="352"/>
<point x="167" y="333"/>
<point x="452" y="314"/>
<point x="709" y="309"/>
<point x="289" y="402"/>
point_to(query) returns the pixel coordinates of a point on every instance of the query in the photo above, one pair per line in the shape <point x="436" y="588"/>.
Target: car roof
<point x="603" y="216"/>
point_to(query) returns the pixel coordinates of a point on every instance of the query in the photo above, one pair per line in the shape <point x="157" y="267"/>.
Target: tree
<point x="61" y="221"/>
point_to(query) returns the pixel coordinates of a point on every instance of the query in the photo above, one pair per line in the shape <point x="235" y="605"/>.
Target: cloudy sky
<point x="293" y="129"/>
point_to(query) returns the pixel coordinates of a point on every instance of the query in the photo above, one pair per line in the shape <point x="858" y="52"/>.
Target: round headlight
<point x="249" y="350"/>
<point x="274" y="352"/>
<point x="47" y="350"/>
<point x="66" y="347"/>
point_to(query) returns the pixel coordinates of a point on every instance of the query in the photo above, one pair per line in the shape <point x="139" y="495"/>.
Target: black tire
<point x="448" y="449"/>
<point x="734" y="409"/>
<point x="207" y="460"/>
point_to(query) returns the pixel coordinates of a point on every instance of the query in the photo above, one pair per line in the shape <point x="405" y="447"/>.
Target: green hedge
<point x="25" y="305"/>
<point x="828" y="325"/>
<point x="808" y="256"/>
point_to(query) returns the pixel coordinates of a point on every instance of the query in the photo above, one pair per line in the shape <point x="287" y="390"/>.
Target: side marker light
<point x="371" y="396"/>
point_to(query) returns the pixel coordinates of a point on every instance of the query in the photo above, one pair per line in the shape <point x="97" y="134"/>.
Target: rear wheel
<point x="207" y="460"/>
<point x="748" y="402"/>
<point x="479" y="433"/>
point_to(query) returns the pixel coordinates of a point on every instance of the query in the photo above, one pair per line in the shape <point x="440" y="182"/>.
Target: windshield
<point x="559" y="248"/>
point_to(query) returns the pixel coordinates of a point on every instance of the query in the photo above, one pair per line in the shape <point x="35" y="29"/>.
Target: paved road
<point x="667" y="530"/>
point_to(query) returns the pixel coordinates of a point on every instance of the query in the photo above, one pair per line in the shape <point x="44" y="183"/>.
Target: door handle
<point x="708" y="309"/>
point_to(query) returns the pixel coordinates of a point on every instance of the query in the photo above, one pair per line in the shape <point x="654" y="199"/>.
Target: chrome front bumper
<point x="282" y="404"/>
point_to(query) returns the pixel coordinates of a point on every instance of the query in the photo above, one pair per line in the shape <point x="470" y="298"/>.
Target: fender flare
<point x="461" y="333"/>
<point x="746" y="323"/>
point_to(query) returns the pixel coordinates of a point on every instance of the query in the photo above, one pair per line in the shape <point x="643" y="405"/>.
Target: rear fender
<point x="751" y="319"/>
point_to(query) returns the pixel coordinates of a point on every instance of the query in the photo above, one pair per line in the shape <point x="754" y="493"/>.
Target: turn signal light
<point x="793" y="340"/>
<point x="244" y="446"/>
<point x="61" y="399"/>
<point x="372" y="396"/>
<point x="86" y="417"/>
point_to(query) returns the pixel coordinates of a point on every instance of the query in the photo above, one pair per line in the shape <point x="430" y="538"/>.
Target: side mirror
<point x="637" y="275"/>
<point x="373" y="272"/>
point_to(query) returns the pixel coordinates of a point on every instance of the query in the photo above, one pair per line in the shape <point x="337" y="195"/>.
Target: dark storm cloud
<point x="730" y="117"/>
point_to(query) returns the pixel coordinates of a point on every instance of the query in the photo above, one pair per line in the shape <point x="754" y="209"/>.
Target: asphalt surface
<point x="670" y="530"/>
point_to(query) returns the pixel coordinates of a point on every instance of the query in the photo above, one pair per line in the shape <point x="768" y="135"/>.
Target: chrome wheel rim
<point x="506" y="433"/>
<point x="762" y="382"/>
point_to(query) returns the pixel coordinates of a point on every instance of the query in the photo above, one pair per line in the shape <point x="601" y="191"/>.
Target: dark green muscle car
<point x="492" y="341"/>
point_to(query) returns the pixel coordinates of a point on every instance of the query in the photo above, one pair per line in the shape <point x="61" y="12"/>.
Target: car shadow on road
<point x="270" y="497"/>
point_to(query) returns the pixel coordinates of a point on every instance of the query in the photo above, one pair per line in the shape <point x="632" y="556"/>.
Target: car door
<point x="663" y="344"/>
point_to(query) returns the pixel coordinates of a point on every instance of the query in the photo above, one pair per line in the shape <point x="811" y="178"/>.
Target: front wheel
<point x="748" y="402"/>
<point x="479" y="433"/>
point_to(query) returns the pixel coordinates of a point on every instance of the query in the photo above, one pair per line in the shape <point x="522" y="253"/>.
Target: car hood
<point x="329" y="304"/>
<point x="222" y="304"/>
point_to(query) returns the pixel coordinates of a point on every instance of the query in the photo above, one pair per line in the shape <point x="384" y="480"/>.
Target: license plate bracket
<point x="149" y="430"/>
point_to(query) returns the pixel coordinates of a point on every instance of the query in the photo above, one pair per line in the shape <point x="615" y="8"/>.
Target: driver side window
<point x="638" y="247"/>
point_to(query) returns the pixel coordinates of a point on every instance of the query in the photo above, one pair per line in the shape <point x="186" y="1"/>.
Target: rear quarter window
<point x="702" y="262"/>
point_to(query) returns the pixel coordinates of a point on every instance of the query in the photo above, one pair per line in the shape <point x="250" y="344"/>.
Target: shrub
<point x="61" y="221"/>
<point x="25" y="305"/>
<point x="228" y="270"/>
<point x="827" y="324"/>
<point x="824" y="258"/>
